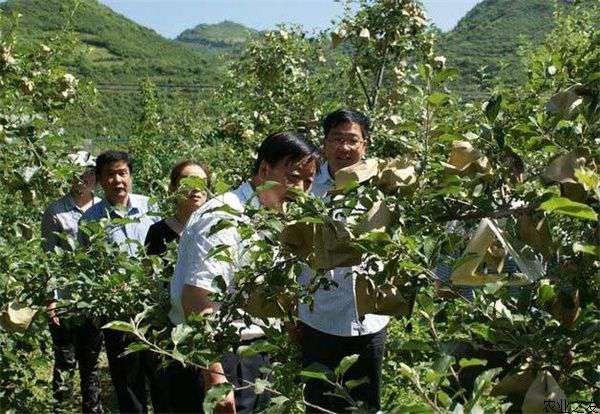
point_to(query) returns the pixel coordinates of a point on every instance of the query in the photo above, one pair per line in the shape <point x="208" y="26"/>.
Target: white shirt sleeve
<point x="196" y="265"/>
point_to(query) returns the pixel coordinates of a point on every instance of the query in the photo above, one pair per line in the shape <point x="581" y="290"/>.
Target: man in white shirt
<point x="333" y="329"/>
<point x="284" y="158"/>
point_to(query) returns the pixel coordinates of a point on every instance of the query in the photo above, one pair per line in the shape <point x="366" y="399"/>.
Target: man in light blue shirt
<point x="333" y="329"/>
<point x="113" y="171"/>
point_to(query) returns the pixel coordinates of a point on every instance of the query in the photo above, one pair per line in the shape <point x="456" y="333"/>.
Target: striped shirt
<point x="334" y="310"/>
<point x="62" y="218"/>
<point x="443" y="271"/>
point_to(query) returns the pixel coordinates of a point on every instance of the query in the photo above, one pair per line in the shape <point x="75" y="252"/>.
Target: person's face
<point x="298" y="175"/>
<point x="115" y="179"/>
<point x="191" y="199"/>
<point x="344" y="146"/>
<point x="85" y="184"/>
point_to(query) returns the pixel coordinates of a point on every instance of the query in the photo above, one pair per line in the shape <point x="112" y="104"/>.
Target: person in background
<point x="74" y="341"/>
<point x="114" y="173"/>
<point x="169" y="230"/>
<point x="285" y="158"/>
<point x="175" y="388"/>
<point x="332" y="329"/>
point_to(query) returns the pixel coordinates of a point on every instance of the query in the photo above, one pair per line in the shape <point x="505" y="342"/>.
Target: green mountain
<point x="120" y="50"/>
<point x="224" y="35"/>
<point x="491" y="35"/>
<point x="117" y="54"/>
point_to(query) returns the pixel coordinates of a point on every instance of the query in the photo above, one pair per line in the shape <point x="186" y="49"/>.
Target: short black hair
<point x="344" y="115"/>
<point x="108" y="157"/>
<point x="281" y="146"/>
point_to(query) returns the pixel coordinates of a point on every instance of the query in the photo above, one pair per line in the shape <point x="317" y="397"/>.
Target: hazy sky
<point x="171" y="17"/>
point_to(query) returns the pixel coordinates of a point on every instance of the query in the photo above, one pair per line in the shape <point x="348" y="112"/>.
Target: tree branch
<point x="379" y="81"/>
<point x="485" y="214"/>
<point x="364" y="87"/>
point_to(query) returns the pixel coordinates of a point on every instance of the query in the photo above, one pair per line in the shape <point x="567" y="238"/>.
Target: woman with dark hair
<point x="169" y="230"/>
<point x="174" y="388"/>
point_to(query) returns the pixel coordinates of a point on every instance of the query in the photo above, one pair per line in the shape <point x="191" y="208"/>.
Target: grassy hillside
<point x="492" y="33"/>
<point x="120" y="50"/>
<point x="224" y="35"/>
<point x="117" y="54"/>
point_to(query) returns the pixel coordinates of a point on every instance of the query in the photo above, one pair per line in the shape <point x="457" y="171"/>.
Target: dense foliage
<point x="284" y="80"/>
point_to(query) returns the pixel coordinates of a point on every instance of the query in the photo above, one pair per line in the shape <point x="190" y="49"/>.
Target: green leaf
<point x="481" y="330"/>
<point x="564" y="206"/>
<point x="310" y="220"/>
<point x="471" y="362"/>
<point x="406" y="371"/>
<point x="448" y="137"/>
<point x="377" y="236"/>
<point x="119" y="326"/>
<point x="180" y="332"/>
<point x="484" y="379"/>
<point x="215" y="395"/>
<point x="221" y="187"/>
<point x="594" y="77"/>
<point x="587" y="177"/>
<point x="278" y="401"/>
<point x="221" y="225"/>
<point x="586" y="249"/>
<point x="438" y="98"/>
<point x="492" y="108"/>
<point x="256" y="348"/>
<point x="316" y="371"/>
<point x="267" y="185"/>
<point x="350" y="384"/>
<point x="413" y="408"/>
<point x="196" y="183"/>
<point x="442" y="364"/>
<point x="345" y="364"/>
<point x="546" y="292"/>
<point x="260" y="385"/>
<point x="444" y="398"/>
<point x="135" y="347"/>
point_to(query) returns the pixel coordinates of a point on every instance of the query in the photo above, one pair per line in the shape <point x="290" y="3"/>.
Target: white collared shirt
<point x="334" y="310"/>
<point x="195" y="268"/>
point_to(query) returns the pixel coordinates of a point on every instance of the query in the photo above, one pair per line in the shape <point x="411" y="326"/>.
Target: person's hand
<point x="227" y="405"/>
<point x="215" y="376"/>
<point x="52" y="313"/>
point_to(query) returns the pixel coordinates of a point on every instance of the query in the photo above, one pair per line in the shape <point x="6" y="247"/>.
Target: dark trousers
<point x="186" y="384"/>
<point x="329" y="350"/>
<point x="126" y="373"/>
<point x="76" y="343"/>
<point x="185" y="389"/>
<point x="468" y="375"/>
<point x="238" y="370"/>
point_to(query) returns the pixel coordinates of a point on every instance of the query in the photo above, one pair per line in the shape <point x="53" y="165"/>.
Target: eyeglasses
<point x="350" y="142"/>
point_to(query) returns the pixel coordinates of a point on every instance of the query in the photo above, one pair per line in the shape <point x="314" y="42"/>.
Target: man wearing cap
<point x="331" y="328"/>
<point x="74" y="342"/>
